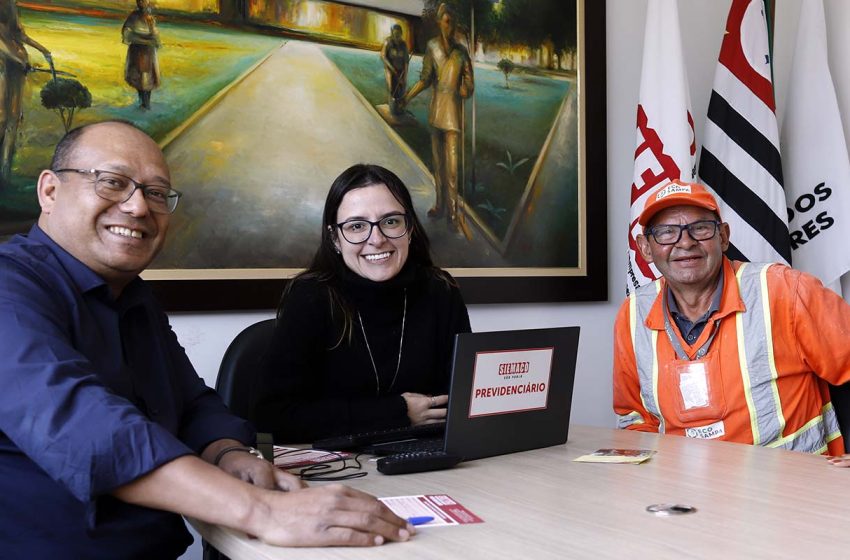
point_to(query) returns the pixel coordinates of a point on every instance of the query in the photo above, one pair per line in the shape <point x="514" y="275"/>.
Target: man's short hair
<point x="66" y="146"/>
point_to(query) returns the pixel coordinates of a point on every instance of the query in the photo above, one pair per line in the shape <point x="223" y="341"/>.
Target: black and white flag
<point x="740" y="158"/>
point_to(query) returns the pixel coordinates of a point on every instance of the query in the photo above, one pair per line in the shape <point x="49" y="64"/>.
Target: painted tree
<point x="532" y="23"/>
<point x="65" y="96"/>
<point x="538" y="23"/>
<point x="548" y="24"/>
<point x="507" y="67"/>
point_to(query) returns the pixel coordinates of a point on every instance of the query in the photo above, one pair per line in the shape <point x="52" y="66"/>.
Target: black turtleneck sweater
<point x="316" y="383"/>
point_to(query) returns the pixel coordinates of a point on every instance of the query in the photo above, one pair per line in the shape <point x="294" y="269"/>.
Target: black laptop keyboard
<point x="406" y="446"/>
<point x="365" y="439"/>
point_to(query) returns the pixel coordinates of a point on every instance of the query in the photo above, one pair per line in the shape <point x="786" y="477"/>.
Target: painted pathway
<point x="256" y="167"/>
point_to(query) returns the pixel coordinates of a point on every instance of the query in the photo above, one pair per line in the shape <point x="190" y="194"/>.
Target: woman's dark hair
<point x="328" y="266"/>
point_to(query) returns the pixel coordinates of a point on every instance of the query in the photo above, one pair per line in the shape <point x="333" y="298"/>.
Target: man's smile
<point x="126" y="232"/>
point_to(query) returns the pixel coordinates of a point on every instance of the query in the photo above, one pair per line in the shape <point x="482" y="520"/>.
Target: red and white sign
<point x="510" y="381"/>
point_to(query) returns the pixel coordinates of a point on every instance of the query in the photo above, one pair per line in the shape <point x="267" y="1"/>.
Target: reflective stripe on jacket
<point x="777" y="327"/>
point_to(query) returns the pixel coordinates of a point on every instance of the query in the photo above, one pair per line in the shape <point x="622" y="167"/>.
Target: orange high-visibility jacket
<point x="781" y="336"/>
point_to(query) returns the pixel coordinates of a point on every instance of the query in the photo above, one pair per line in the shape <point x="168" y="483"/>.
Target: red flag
<point x="666" y="146"/>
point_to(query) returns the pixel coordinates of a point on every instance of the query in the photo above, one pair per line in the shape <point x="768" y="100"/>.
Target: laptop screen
<point x="510" y="391"/>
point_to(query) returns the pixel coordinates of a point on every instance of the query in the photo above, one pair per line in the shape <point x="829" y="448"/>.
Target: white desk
<point x="752" y="503"/>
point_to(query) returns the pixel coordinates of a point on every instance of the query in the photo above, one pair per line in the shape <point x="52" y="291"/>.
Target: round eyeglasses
<point x="670" y="234"/>
<point x="115" y="187"/>
<point x="359" y="231"/>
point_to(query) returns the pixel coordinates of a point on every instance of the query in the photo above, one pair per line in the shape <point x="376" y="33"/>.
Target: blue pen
<point x="420" y="520"/>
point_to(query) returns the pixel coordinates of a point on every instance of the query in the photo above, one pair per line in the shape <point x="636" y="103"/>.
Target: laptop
<point x="510" y="391"/>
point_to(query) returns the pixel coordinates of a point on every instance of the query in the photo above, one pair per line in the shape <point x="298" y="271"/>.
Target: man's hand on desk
<point x="841" y="460"/>
<point x="332" y="515"/>
<point x="231" y="457"/>
<point x="259" y="472"/>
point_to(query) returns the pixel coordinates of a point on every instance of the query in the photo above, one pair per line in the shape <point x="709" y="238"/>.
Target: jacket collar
<point x="730" y="300"/>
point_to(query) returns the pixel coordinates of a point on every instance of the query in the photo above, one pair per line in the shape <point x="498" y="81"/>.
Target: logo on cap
<point x="672" y="188"/>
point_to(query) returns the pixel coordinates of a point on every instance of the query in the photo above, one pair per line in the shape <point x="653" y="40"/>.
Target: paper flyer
<point x="442" y="508"/>
<point x="292" y="457"/>
<point x="633" y="456"/>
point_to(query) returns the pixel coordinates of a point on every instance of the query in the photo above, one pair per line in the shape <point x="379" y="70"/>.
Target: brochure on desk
<point x="444" y="510"/>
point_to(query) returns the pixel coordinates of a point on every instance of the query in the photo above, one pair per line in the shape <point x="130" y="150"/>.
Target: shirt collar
<point x="730" y="298"/>
<point x="673" y="306"/>
<point x="84" y="277"/>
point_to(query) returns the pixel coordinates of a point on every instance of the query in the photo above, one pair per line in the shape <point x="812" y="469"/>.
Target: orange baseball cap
<point x="677" y="193"/>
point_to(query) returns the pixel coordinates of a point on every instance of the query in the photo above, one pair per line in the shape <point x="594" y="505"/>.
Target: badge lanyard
<point x="696" y="401"/>
<point x="674" y="340"/>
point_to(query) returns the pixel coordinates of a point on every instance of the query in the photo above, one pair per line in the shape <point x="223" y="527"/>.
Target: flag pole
<point x="769" y="13"/>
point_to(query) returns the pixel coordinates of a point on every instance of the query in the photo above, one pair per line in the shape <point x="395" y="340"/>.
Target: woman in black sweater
<point x="364" y="337"/>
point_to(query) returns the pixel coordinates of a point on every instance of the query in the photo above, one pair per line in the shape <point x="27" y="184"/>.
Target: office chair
<point x="236" y="375"/>
<point x="241" y="365"/>
<point x="841" y="402"/>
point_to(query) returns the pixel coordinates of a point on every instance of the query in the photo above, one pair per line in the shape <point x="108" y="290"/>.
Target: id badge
<point x="693" y="388"/>
<point x="693" y="384"/>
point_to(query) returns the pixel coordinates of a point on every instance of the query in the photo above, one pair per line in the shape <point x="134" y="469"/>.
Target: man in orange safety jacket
<point x="720" y="349"/>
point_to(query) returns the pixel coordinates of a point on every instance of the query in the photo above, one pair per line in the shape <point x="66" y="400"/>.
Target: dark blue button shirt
<point x="691" y="330"/>
<point x="94" y="393"/>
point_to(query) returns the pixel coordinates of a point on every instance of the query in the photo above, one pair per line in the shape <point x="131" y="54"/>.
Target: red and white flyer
<point x="441" y="507"/>
<point x="291" y="457"/>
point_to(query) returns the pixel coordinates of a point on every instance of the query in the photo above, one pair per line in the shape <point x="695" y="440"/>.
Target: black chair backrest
<point x="241" y="365"/>
<point x="841" y="402"/>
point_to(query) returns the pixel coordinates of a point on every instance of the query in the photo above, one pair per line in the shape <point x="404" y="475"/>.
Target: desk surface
<point x="752" y="503"/>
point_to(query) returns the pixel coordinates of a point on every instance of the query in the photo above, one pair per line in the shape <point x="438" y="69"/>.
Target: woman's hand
<point x="425" y="409"/>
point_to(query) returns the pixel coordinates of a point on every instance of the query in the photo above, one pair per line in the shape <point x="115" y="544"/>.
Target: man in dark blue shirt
<point x="106" y="431"/>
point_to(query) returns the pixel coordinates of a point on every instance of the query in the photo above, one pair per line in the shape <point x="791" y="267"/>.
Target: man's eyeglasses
<point x="670" y="234"/>
<point x="115" y="187"/>
<point x="358" y="231"/>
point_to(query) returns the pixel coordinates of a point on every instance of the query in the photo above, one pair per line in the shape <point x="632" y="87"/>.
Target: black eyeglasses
<point x="670" y="234"/>
<point x="359" y="231"/>
<point x="115" y="187"/>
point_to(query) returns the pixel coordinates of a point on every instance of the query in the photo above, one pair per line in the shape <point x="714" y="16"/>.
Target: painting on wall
<point x="491" y="113"/>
